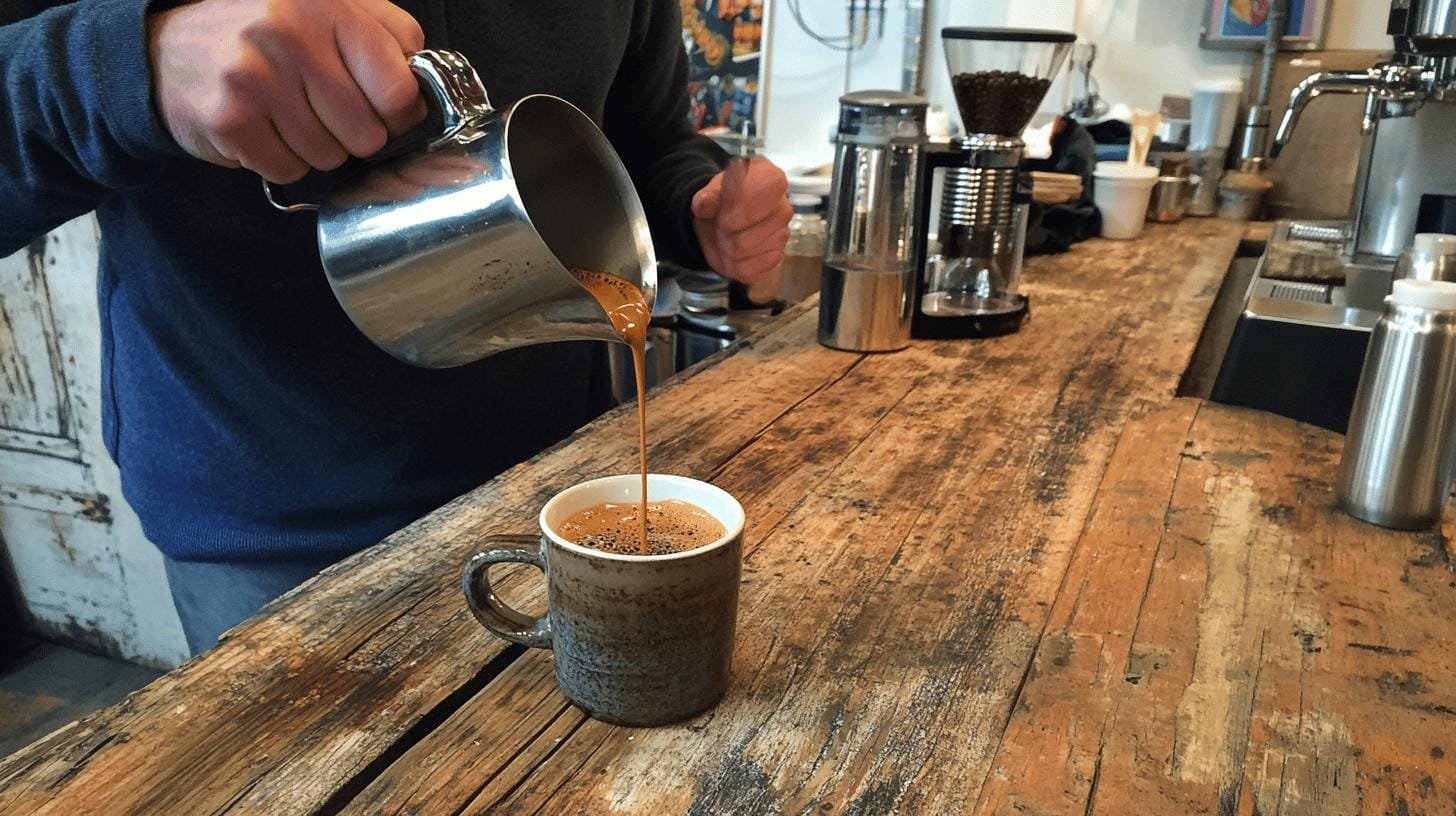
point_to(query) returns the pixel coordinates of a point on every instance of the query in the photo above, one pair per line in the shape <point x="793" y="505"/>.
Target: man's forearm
<point x="79" y="122"/>
<point x="647" y="121"/>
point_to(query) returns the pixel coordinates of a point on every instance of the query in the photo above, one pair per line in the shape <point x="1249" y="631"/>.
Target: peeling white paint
<point x="84" y="570"/>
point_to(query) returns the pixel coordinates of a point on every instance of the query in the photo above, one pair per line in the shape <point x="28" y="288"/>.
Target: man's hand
<point x="284" y="86"/>
<point x="742" y="217"/>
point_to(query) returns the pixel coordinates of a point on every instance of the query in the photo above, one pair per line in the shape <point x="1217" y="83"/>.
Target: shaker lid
<point x="1424" y="294"/>
<point x="882" y="117"/>
<point x="898" y="100"/>
<point x="1039" y="35"/>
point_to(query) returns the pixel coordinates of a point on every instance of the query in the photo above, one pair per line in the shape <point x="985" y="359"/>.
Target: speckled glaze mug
<point x="640" y="640"/>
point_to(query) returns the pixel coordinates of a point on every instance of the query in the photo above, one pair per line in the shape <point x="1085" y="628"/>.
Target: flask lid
<point x="1435" y="243"/>
<point x="1424" y="294"/>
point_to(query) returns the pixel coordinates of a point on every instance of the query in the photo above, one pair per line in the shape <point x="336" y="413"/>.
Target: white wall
<point x="1147" y="48"/>
<point x="1359" y="24"/>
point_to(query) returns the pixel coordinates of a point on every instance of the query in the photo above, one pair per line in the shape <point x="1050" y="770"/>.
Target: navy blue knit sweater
<point x="249" y="418"/>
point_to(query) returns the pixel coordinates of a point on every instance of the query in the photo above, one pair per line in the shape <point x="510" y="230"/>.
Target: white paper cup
<point x="1122" y="191"/>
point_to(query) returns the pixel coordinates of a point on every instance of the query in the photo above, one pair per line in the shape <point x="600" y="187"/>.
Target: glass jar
<point x="804" y="255"/>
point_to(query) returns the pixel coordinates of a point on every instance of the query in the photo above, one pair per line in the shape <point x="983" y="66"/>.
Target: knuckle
<point x="778" y="183"/>
<point x="331" y="158"/>
<point x="229" y="119"/>
<point x="367" y="140"/>
<point x="276" y="23"/>
<point x="398" y="95"/>
<point x="415" y="35"/>
<point x="245" y="76"/>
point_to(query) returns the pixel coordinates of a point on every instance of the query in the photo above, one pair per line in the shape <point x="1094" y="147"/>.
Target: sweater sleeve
<point x="78" y="121"/>
<point x="647" y="122"/>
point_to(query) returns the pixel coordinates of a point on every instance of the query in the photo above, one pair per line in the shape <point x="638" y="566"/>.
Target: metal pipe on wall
<point x="1255" y="141"/>
<point x="918" y="16"/>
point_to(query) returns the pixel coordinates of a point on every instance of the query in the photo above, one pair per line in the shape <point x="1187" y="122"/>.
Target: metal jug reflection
<point x="460" y="250"/>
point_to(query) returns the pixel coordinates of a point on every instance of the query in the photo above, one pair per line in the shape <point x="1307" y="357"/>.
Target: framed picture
<point x="727" y="64"/>
<point x="1241" y="24"/>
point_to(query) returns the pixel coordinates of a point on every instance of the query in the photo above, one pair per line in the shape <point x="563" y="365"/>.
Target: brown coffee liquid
<point x="673" y="526"/>
<point x="629" y="313"/>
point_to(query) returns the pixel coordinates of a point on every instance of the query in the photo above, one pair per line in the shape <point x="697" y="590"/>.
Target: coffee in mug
<point x="672" y="526"/>
<point x="639" y="639"/>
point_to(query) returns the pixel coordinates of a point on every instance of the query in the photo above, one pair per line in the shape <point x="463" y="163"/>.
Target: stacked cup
<point x="1121" y="192"/>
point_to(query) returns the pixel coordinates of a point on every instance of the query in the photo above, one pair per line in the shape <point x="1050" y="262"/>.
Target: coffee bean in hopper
<point x="999" y="102"/>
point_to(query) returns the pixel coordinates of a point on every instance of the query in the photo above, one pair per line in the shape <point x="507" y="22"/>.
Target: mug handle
<point x="488" y="608"/>
<point x="450" y="86"/>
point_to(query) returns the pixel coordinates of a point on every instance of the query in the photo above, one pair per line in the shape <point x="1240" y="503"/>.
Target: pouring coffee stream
<point x="629" y="312"/>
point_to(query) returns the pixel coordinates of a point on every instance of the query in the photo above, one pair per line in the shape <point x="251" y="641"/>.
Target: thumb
<point x="707" y="200"/>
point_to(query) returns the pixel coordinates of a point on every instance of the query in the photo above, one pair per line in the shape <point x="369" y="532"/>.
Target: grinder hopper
<point x="1001" y="75"/>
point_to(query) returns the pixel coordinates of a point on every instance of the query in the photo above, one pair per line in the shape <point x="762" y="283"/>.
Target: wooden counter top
<point x="1005" y="576"/>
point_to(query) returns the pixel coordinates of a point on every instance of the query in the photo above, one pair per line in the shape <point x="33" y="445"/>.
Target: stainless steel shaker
<point x="1396" y="467"/>
<point x="460" y="250"/>
<point x="868" y="282"/>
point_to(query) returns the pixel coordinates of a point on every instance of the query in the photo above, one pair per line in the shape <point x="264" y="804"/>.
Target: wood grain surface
<point x="1006" y="576"/>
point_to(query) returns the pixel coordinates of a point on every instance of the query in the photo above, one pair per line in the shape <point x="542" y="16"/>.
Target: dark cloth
<point x="249" y="418"/>
<point x="1110" y="132"/>
<point x="213" y="597"/>
<point x="1054" y="228"/>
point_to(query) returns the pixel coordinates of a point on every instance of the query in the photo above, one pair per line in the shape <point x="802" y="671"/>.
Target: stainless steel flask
<point x="1396" y="466"/>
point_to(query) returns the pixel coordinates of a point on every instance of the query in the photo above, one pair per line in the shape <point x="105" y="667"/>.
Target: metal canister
<point x="868" y="281"/>
<point x="1396" y="467"/>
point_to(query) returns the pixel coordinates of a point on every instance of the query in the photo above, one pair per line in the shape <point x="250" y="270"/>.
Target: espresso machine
<point x="1407" y="180"/>
<point x="1319" y="287"/>
<point x="968" y="270"/>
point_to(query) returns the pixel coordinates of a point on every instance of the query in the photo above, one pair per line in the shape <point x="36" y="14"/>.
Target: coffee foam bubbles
<point x="672" y="526"/>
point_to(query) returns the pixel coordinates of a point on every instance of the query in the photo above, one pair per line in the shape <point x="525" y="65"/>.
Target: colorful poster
<point x="724" y="44"/>
<point x="1243" y="23"/>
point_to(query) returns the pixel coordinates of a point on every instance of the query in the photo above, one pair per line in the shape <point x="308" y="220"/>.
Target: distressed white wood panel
<point x="32" y="390"/>
<point x="85" y="571"/>
<point x="67" y="570"/>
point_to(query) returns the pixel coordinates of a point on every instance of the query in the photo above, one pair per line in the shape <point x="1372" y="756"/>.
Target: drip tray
<point x="1299" y="342"/>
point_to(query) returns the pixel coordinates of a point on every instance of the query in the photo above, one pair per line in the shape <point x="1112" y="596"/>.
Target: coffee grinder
<point x="967" y="273"/>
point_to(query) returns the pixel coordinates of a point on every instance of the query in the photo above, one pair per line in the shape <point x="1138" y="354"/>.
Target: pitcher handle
<point x="493" y="613"/>
<point x="451" y="86"/>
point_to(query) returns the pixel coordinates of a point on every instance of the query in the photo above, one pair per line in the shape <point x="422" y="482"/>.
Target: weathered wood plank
<point x="913" y="516"/>
<point x="888" y="619"/>
<point x="348" y="664"/>
<point x="1051" y="751"/>
<point x="1288" y="659"/>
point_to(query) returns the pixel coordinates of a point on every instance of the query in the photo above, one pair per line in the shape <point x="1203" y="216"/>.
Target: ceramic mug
<point x="638" y="639"/>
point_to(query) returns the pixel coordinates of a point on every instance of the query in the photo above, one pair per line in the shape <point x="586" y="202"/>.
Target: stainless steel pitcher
<point x="460" y="250"/>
